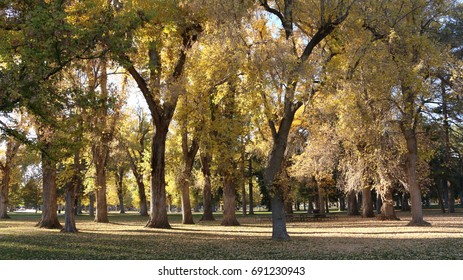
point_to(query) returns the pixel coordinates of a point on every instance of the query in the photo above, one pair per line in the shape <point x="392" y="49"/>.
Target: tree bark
<point x="91" y="206"/>
<point x="451" y="196"/>
<point x="229" y="198"/>
<point x="119" y="180"/>
<point x="70" y="196"/>
<point x="352" y="205"/>
<point x="100" y="192"/>
<point x="187" y="215"/>
<point x="321" y="200"/>
<point x="251" y="195"/>
<point x="5" y="186"/>
<point x="342" y="202"/>
<point x="310" y="207"/>
<point x="414" y="188"/>
<point x="273" y="170"/>
<point x="189" y="155"/>
<point x="49" y="208"/>
<point x="405" y="205"/>
<point x="379" y="203"/>
<point x="367" y="203"/>
<point x="12" y="148"/>
<point x="387" y="208"/>
<point x="158" y="205"/>
<point x="69" y="214"/>
<point x="207" y="189"/>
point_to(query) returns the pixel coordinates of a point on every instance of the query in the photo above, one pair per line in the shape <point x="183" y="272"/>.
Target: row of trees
<point x="345" y="94"/>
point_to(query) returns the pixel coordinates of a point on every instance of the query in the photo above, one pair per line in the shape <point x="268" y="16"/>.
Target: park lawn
<point x="127" y="238"/>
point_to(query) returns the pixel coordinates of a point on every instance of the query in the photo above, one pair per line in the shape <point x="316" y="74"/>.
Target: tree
<point x="6" y="164"/>
<point x="161" y="86"/>
<point x="299" y="45"/>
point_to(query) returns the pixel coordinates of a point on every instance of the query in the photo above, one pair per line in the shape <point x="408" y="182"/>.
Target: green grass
<point x="127" y="238"/>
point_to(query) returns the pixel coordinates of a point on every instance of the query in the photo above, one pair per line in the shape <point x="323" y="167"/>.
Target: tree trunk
<point x="451" y="196"/>
<point x="439" y="190"/>
<point x="243" y="183"/>
<point x="69" y="214"/>
<point x="321" y="200"/>
<point x="5" y="186"/>
<point x="50" y="206"/>
<point x="387" y="208"/>
<point x="91" y="206"/>
<point x="352" y="205"/>
<point x="229" y="199"/>
<point x="100" y="192"/>
<point x="119" y="177"/>
<point x="379" y="203"/>
<point x="187" y="215"/>
<point x="367" y="203"/>
<point x="310" y="207"/>
<point x="461" y="191"/>
<point x="70" y="196"/>
<point x="158" y="205"/>
<point x="414" y="188"/>
<point x="342" y="202"/>
<point x="189" y="155"/>
<point x="448" y="184"/>
<point x="12" y="148"/>
<point x="405" y="205"/>
<point x="207" y="189"/>
<point x="251" y="195"/>
<point x="138" y="174"/>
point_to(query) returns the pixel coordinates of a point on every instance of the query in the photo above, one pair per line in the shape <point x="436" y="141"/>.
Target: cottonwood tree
<point x="410" y="48"/>
<point x="292" y="49"/>
<point x="155" y="57"/>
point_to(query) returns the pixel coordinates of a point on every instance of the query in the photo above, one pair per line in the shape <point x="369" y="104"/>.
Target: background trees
<point x="312" y="100"/>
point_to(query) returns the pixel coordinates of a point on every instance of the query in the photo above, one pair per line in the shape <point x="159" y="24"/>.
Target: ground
<point x="344" y="238"/>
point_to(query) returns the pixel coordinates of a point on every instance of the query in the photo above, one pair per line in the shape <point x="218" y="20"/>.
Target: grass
<point x="126" y="238"/>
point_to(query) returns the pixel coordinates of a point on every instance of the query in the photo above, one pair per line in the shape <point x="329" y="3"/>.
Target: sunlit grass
<point x="127" y="238"/>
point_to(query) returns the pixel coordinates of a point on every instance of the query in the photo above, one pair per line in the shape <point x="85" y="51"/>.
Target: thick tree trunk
<point x="50" y="206"/>
<point x="207" y="189"/>
<point x="229" y="199"/>
<point x="310" y="207"/>
<point x="70" y="197"/>
<point x="387" y="208"/>
<point x="187" y="215"/>
<point x="367" y="203"/>
<point x="100" y="193"/>
<point x="5" y="186"/>
<point x="414" y="188"/>
<point x="279" y="231"/>
<point x="158" y="205"/>
<point x="352" y="204"/>
<point x="12" y="148"/>
<point x="379" y="203"/>
<point x="342" y="202"/>
<point x="69" y="214"/>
